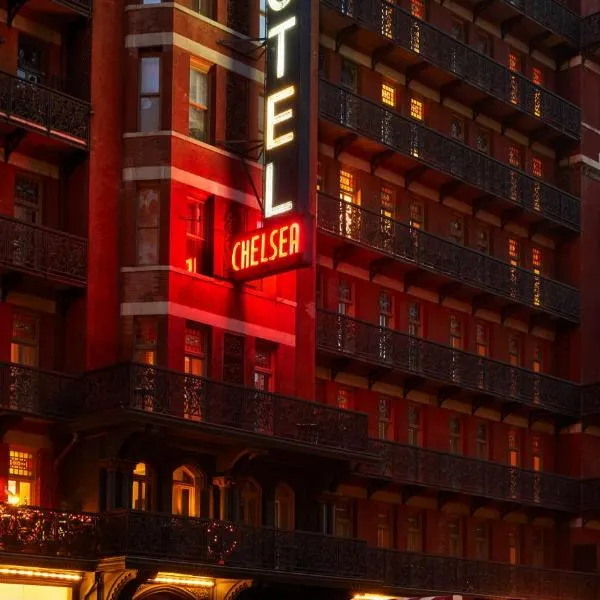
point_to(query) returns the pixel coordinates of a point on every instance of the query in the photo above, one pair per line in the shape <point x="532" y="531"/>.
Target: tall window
<point x="538" y="547"/>
<point x="457" y="128"/>
<point x="387" y="18"/>
<point x="483" y="42"/>
<point x="384" y="418"/>
<point x="514" y="350"/>
<point x="455" y="436"/>
<point x="199" y="114"/>
<point x="514" y="159"/>
<point x="456" y="340"/>
<point x="457" y="229"/>
<point x="483" y="141"/>
<point x="186" y="493"/>
<point x="349" y="215"/>
<point x="284" y="507"/>
<point x="536" y="453"/>
<point x="416" y="221"/>
<point x="195" y="351"/>
<point x="384" y="529"/>
<point x="319" y="176"/>
<point x="149" y="115"/>
<point x="386" y="209"/>
<point x="203" y="7"/>
<point x="537" y="359"/>
<point x="417" y="108"/>
<point x="344" y="297"/>
<point x="415" y="331"/>
<point x="24" y="348"/>
<point x="537" y="170"/>
<point x="148" y="226"/>
<point x="514" y="544"/>
<point x="343" y="398"/>
<point x="538" y="78"/>
<point x="349" y="76"/>
<point x="196" y="227"/>
<point x="386" y="318"/>
<point x="141" y="487"/>
<point x="343" y="519"/>
<point x="482" y="339"/>
<point x="482" y="441"/>
<point x="537" y="264"/>
<point x="414" y="425"/>
<point x="417" y="112"/>
<point x="388" y="94"/>
<point x="28" y="199"/>
<point x="250" y="503"/>
<point x="31" y="59"/>
<point x="482" y="239"/>
<point x="514" y="255"/>
<point x="145" y="329"/>
<point x="414" y="537"/>
<point x="514" y="64"/>
<point x="21" y="478"/>
<point x="262" y="19"/>
<point x="513" y="449"/>
<point x="455" y="538"/>
<point x="417" y="9"/>
<point x="263" y="366"/>
<point x="482" y="541"/>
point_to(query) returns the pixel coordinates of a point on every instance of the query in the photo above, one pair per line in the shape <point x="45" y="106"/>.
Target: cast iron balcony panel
<point x="46" y="253"/>
<point x="161" y="392"/>
<point x="414" y="140"/>
<point x="39" y="108"/>
<point x="396" y="25"/>
<point x="33" y="391"/>
<point x="416" y="357"/>
<point x="463" y="475"/>
<point x="432" y="253"/>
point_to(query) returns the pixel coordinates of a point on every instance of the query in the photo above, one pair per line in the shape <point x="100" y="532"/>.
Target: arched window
<point x="141" y="487"/>
<point x="186" y="492"/>
<point x="284" y="507"/>
<point x="250" y="512"/>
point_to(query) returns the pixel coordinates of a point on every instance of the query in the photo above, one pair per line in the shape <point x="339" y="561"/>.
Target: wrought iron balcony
<point x="463" y="62"/>
<point x="432" y="253"/>
<point x="414" y="140"/>
<point x="415" y="357"/>
<point x="46" y="253"/>
<point x="33" y="391"/>
<point x="216" y="404"/>
<point x="463" y="475"/>
<point x="39" y="108"/>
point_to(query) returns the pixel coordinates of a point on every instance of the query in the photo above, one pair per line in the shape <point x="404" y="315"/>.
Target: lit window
<point x="28" y="199"/>
<point x="514" y="544"/>
<point x="514" y="64"/>
<point x="482" y="441"/>
<point x="538" y="79"/>
<point x="319" y="177"/>
<point x="149" y="115"/>
<point x="386" y="196"/>
<point x="514" y="156"/>
<point x="199" y="113"/>
<point x="417" y="109"/>
<point x="414" y="426"/>
<point x="195" y="351"/>
<point x="343" y="519"/>
<point x="263" y="367"/>
<point x="537" y="76"/>
<point x="388" y="94"/>
<point x="347" y="190"/>
<point x="455" y="333"/>
<point x="513" y="252"/>
<point x="537" y="264"/>
<point x="21" y="482"/>
<point x="537" y="167"/>
<point x="196" y="238"/>
<point x="416" y="215"/>
<point x="417" y="8"/>
<point x="384" y="538"/>
<point x="455" y="540"/>
<point x="537" y="359"/>
<point x="140" y="497"/>
<point x="344" y="398"/>
<point x="148" y="226"/>
<point x="24" y="348"/>
<point x="350" y="216"/>
<point x="536" y="260"/>
<point x="384" y="418"/>
<point x="145" y="340"/>
<point x="387" y="18"/>
<point x="344" y="297"/>
<point x="186" y="493"/>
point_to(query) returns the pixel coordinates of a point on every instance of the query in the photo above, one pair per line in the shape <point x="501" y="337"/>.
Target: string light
<point x="218" y="547"/>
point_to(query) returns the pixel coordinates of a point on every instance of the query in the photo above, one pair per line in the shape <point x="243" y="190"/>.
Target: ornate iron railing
<point x="470" y="66"/>
<point x="214" y="403"/>
<point x="46" y="532"/>
<point x="48" y="253"/>
<point x="33" y="391"/>
<point x="37" y="107"/>
<point x="435" y="254"/>
<point x="415" y="356"/>
<point x="460" y="474"/>
<point x="411" y="138"/>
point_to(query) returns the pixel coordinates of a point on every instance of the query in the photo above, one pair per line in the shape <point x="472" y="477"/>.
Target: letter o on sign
<point x="278" y="5"/>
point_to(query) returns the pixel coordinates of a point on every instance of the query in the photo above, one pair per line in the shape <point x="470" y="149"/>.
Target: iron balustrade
<point x="30" y="104"/>
<point x="162" y="392"/>
<point x="413" y="465"/>
<point x="432" y="253"/>
<point x="413" y="139"/>
<point x="455" y="368"/>
<point x="37" y="392"/>
<point x="397" y="25"/>
<point x="45" y="252"/>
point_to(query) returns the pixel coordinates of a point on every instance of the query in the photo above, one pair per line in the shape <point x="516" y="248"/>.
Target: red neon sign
<point x="268" y="251"/>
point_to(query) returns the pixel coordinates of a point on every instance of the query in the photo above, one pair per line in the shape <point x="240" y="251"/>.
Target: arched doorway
<point x="187" y="486"/>
<point x="250" y="502"/>
<point x="164" y="593"/>
<point x="284" y="507"/>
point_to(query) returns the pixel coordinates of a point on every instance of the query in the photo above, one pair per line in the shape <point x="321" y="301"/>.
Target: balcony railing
<point x="40" y="108"/>
<point x="213" y="403"/>
<point x="47" y="253"/>
<point x="415" y="140"/>
<point x="435" y="254"/>
<point x="33" y="391"/>
<point x="460" y="474"/>
<point x="462" y="61"/>
<point x="415" y="356"/>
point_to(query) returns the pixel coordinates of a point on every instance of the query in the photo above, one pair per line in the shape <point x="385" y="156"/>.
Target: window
<point x="513" y="448"/>
<point x="148" y="226"/>
<point x="483" y="43"/>
<point x="387" y="18"/>
<point x="349" y="214"/>
<point x="203" y="7"/>
<point x="347" y="186"/>
<point x="538" y="79"/>
<point x="536" y="365"/>
<point x="514" y="254"/>
<point x="514" y="156"/>
<point x="199" y="114"/>
<point x="482" y="239"/>
<point x="149" y="116"/>
<point x="195" y="351"/>
<point x="145" y="340"/>
<point x="538" y="545"/>
<point x="482" y="339"/>
<point x="455" y="436"/>
<point x="343" y="519"/>
<point x="24" y="348"/>
<point x="537" y="262"/>
<point x="141" y="488"/>
<point x="344" y="398"/>
<point x="514" y="544"/>
<point x="21" y="478"/>
<point x="455" y="333"/>
<point x="514" y="64"/>
<point x="197" y="259"/>
<point x="388" y="94"/>
<point x="384" y="418"/>
<point x="416" y="214"/>
<point x="250" y="503"/>
<point x="457" y="229"/>
<point x="417" y="9"/>
<point x="349" y="77"/>
<point x="414" y="425"/>
<point x="28" y="199"/>
<point x="384" y="537"/>
<point x="414" y="534"/>
<point x="414" y="319"/>
<point x="457" y="128"/>
<point x="417" y="109"/>
<point x="186" y="493"/>
<point x="482" y="542"/>
<point x="387" y="212"/>
<point x="263" y="367"/>
<point x="261" y="117"/>
<point x="262" y="19"/>
<point x="455" y="542"/>
<point x="458" y="30"/>
<point x="344" y="297"/>
<point x="483" y="141"/>
<point x="386" y="319"/>
<point x="319" y="176"/>
<point x="284" y="507"/>
<point x="514" y="350"/>
<point x="482" y="441"/>
<point x="31" y="57"/>
<point x="536" y="453"/>
<point x="537" y="168"/>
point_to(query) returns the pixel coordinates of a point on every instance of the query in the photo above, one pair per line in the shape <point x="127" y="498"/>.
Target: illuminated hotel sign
<point x="281" y="244"/>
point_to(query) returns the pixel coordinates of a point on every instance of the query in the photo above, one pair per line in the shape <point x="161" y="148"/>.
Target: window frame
<point x="205" y="69"/>
<point x="141" y="94"/>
